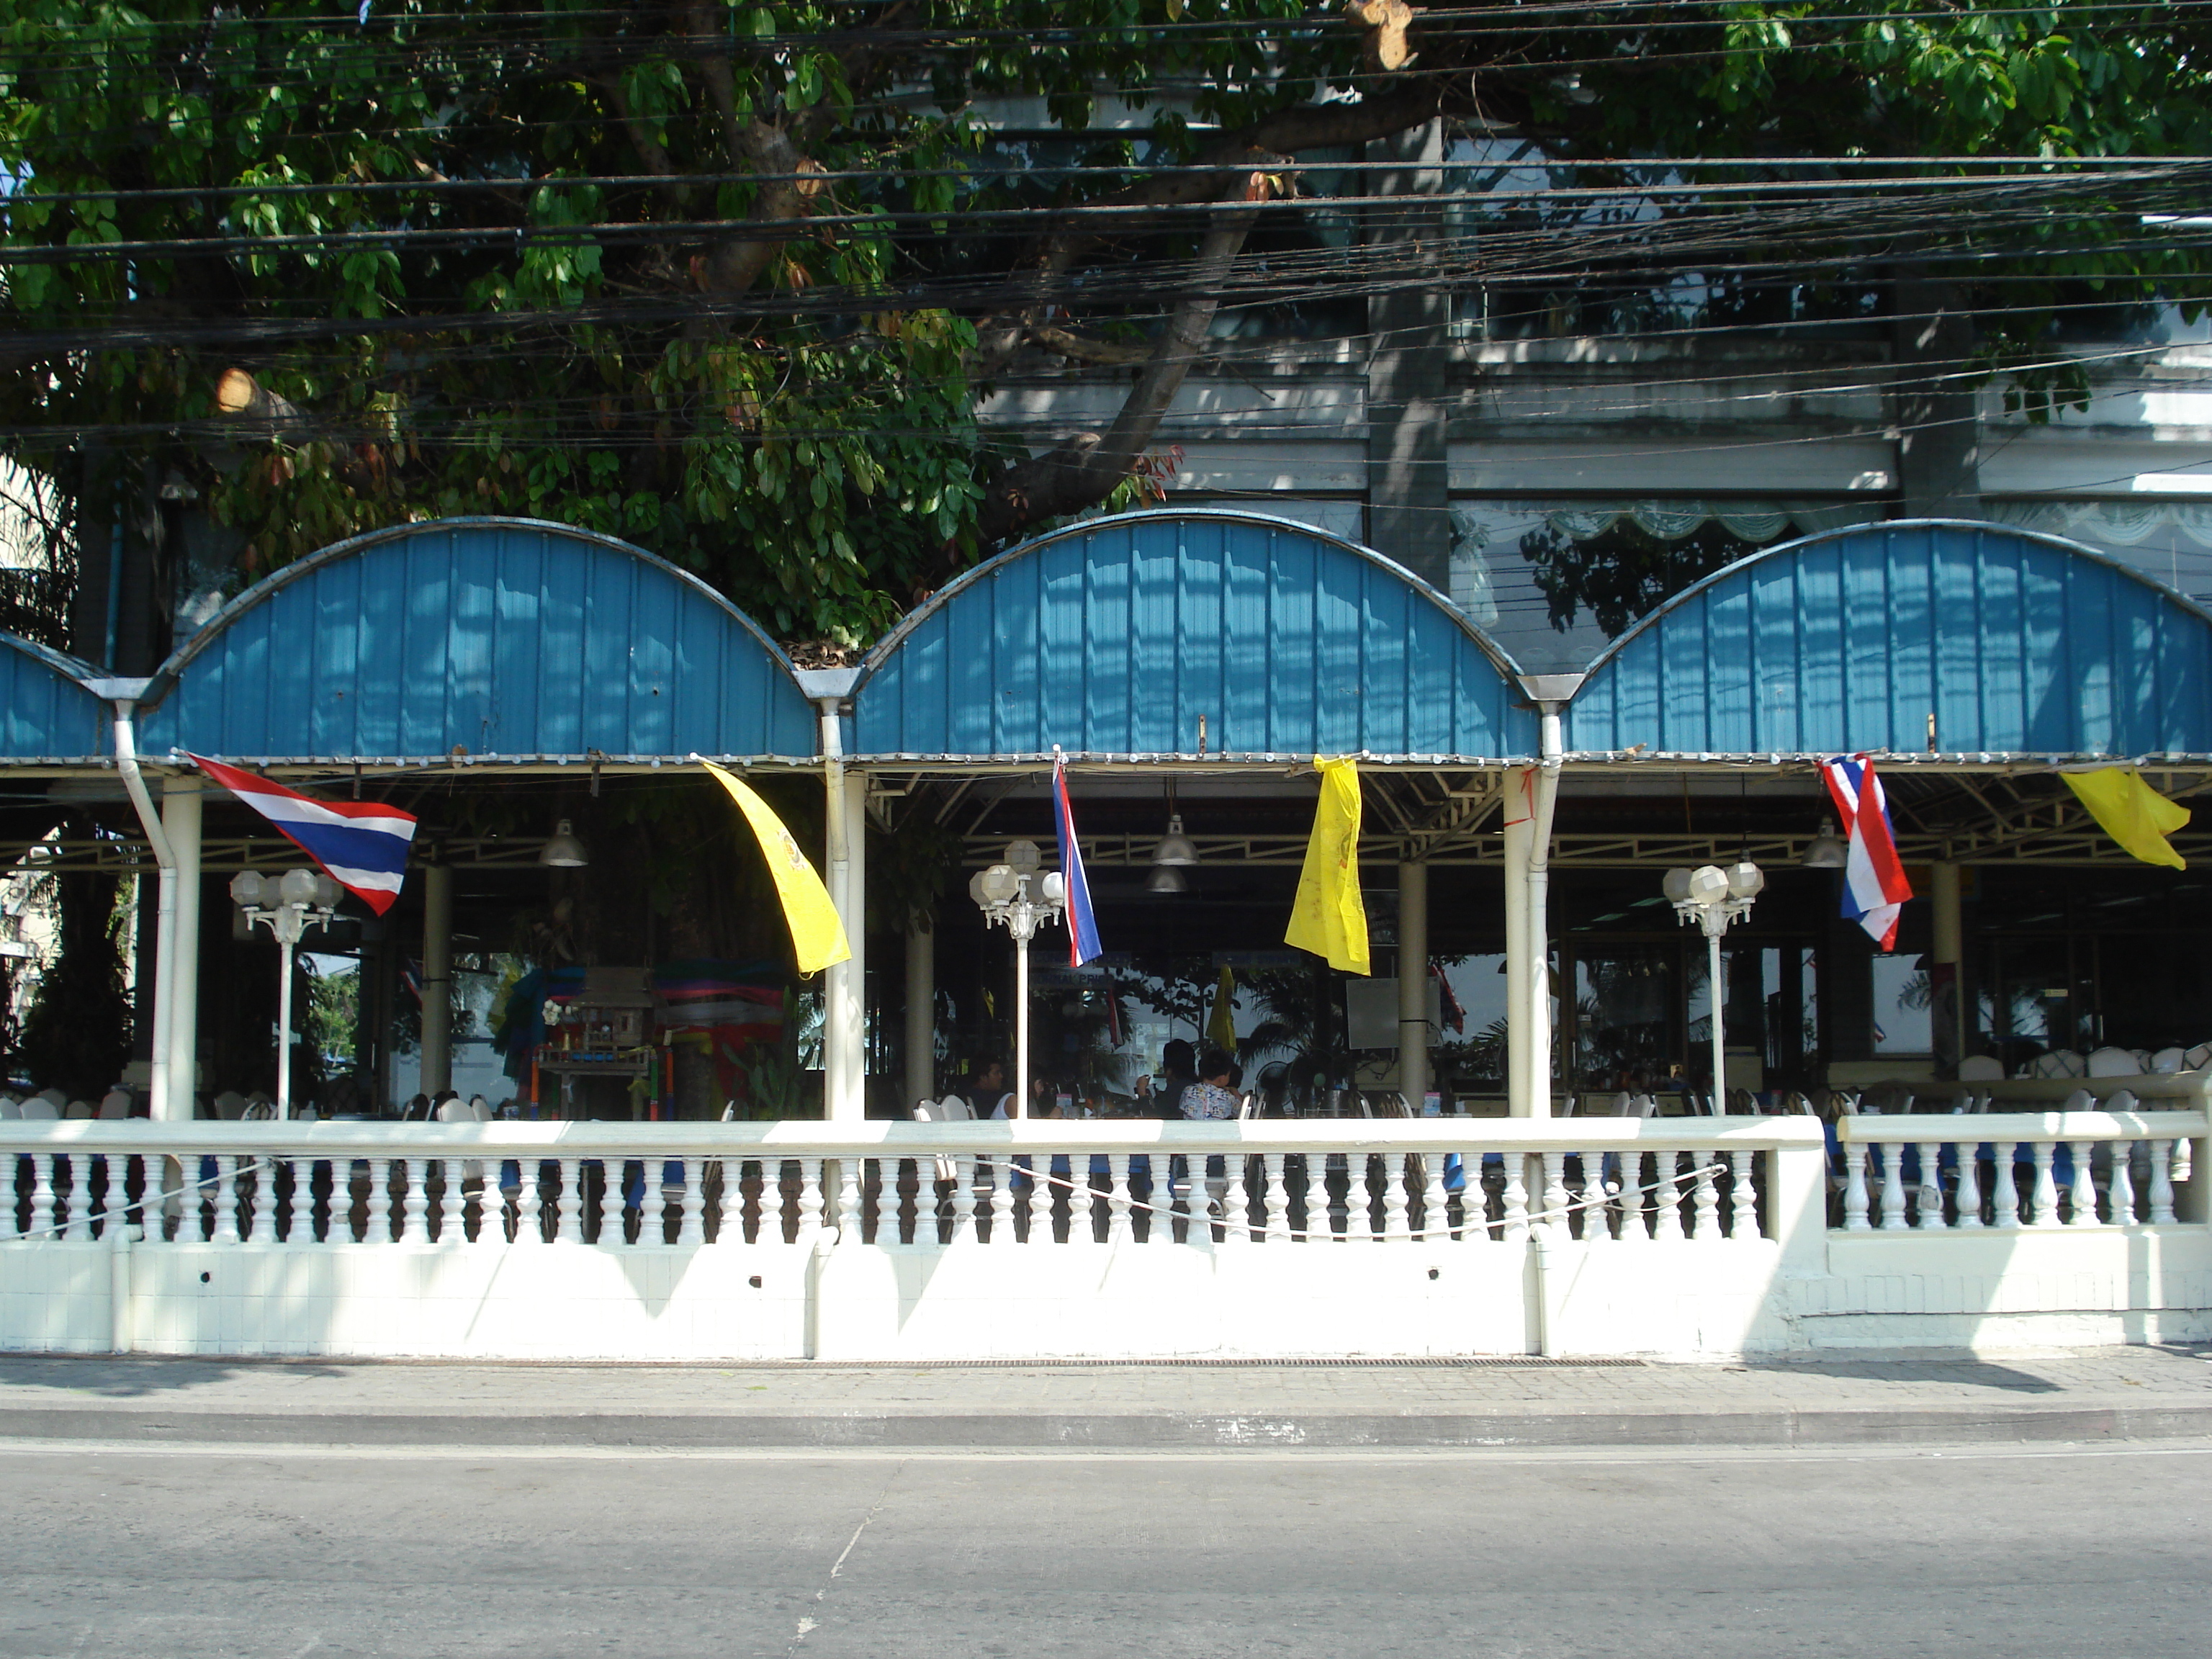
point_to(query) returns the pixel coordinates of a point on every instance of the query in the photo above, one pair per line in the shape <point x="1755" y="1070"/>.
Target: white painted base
<point x="1658" y="1298"/>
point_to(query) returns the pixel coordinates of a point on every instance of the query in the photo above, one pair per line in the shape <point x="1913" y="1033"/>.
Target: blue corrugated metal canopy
<point x="2016" y="643"/>
<point x="501" y="637"/>
<point x="1116" y="635"/>
<point x="47" y="715"/>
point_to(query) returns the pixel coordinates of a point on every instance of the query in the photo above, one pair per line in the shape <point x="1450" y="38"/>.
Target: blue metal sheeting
<point x="2016" y="643"/>
<point x="46" y="713"/>
<point x="505" y="638"/>
<point x="1115" y="637"/>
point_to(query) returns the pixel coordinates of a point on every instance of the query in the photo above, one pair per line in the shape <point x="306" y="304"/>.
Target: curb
<point x="1125" y="1431"/>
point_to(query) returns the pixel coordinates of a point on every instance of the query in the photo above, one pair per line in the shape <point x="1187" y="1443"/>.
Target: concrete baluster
<point x="691" y="1205"/>
<point x="1855" y="1188"/>
<point x="1635" y="1229"/>
<point x="414" y="1203"/>
<point x="1275" y="1200"/>
<point x="1517" y="1198"/>
<point x="1002" y="1202"/>
<point x="2121" y="1211"/>
<point x="1236" y="1202"/>
<point x="850" y="1220"/>
<point x="810" y="1199"/>
<point x="491" y="1206"/>
<point x="729" y="1217"/>
<point x="1396" y="1228"/>
<point x="1596" y="1201"/>
<point x="1667" y="1195"/>
<point x="226" y="1200"/>
<point x="264" y="1228"/>
<point x="569" y="1208"/>
<point x="608" y="1225"/>
<point x="530" y="1202"/>
<point x="77" y="1228"/>
<point x="43" y="1218"/>
<point x="1435" y="1203"/>
<point x="1474" y="1202"/>
<point x="1928" y="1201"/>
<point x="2084" y="1205"/>
<point x="1556" y="1215"/>
<point x="1892" y="1184"/>
<point x="2162" y="1183"/>
<point x="1705" y="1208"/>
<point x="1970" y="1185"/>
<point x="965" y="1228"/>
<point x="2004" y="1196"/>
<point x="2044" y="1199"/>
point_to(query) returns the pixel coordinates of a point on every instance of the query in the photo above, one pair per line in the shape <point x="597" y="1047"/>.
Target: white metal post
<point x="1715" y="996"/>
<point x="1021" y="1027"/>
<point x="1520" y="1007"/>
<point x="179" y="1032"/>
<point x="284" y="1030"/>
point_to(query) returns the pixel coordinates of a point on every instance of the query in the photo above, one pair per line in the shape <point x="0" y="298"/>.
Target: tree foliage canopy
<point x="727" y="279"/>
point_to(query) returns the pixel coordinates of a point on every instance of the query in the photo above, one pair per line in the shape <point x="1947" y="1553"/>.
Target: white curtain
<point x="2118" y="524"/>
<point x="1671" y="521"/>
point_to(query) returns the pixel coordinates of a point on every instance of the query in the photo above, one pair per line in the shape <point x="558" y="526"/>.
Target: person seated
<point x="1178" y="1071"/>
<point x="1212" y="1097"/>
<point x="985" y="1094"/>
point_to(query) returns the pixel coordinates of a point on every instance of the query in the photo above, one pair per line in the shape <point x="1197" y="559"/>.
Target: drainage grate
<point x="1453" y="1362"/>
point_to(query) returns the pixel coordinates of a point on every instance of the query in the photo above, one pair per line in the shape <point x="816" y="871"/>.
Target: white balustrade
<point x="964" y="1176"/>
<point x="1001" y="1177"/>
<point x="1667" y="1196"/>
<point x="1516" y="1197"/>
<point x="2069" y="1154"/>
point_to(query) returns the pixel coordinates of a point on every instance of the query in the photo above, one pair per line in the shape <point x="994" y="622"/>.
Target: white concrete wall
<point x="1678" y="1299"/>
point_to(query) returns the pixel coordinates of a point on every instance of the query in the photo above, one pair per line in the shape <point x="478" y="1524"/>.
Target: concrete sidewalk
<point x="2121" y="1394"/>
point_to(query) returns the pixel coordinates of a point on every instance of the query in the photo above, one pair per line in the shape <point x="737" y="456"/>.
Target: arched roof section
<point x="508" y="638"/>
<point x="2014" y="643"/>
<point x="1114" y="636"/>
<point x="49" y="715"/>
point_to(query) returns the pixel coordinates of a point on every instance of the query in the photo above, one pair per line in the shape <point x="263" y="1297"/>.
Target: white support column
<point x="437" y="979"/>
<point x="852" y="907"/>
<point x="1518" y="1006"/>
<point x="844" y="801"/>
<point x="176" y="1029"/>
<point x="921" y="1013"/>
<point x="1413" y="1034"/>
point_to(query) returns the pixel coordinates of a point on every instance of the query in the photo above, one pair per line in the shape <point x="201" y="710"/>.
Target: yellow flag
<point x="1327" y="917"/>
<point x="817" y="936"/>
<point x="2130" y="811"/>
<point x="1221" y="1024"/>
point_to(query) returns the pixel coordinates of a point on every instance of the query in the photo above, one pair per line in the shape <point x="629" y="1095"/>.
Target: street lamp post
<point x="1713" y="898"/>
<point x="286" y="904"/>
<point x="1003" y="893"/>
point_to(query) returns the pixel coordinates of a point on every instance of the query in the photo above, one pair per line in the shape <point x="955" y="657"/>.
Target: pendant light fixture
<point x="565" y="851"/>
<point x="1176" y="850"/>
<point x="1826" y="850"/>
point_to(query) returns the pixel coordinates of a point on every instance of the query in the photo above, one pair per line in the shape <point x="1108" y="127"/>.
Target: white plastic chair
<point x="1981" y="1068"/>
<point x="38" y="1110"/>
<point x="2112" y="1062"/>
<point x="2197" y="1058"/>
<point x="115" y="1103"/>
<point x="2167" y="1062"/>
<point x="10" y="1108"/>
<point x="258" y="1110"/>
<point x="230" y="1105"/>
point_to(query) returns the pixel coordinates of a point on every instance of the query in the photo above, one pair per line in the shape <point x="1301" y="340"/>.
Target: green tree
<point x="727" y="278"/>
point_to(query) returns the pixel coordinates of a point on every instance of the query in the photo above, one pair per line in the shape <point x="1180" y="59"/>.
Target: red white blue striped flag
<point x="361" y="844"/>
<point x="1082" y="926"/>
<point x="1874" y="887"/>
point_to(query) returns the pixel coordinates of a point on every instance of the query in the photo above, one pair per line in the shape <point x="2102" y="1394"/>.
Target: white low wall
<point x="1696" y="1280"/>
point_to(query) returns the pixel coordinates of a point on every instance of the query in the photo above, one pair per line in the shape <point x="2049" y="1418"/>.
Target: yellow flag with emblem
<point x="2130" y="811"/>
<point x="1329" y="917"/>
<point x="818" y="937"/>
<point x="1221" y="1024"/>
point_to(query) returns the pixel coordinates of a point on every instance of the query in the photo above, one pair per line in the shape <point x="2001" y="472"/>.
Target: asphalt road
<point x="2017" y="1553"/>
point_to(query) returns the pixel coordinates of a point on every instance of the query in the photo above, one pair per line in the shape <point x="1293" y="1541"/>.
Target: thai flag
<point x="1082" y="926"/>
<point x="362" y="844"/>
<point x="1874" y="887"/>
